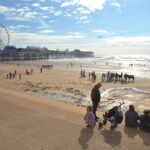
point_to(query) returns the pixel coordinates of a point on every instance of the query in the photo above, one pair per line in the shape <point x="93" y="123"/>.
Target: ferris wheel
<point x="4" y="37"/>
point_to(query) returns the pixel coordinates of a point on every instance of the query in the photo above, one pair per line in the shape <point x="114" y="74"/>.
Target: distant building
<point x="9" y="49"/>
<point x="32" y="49"/>
<point x="79" y="53"/>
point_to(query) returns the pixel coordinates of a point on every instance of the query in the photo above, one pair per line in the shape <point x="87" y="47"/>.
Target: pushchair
<point x="114" y="116"/>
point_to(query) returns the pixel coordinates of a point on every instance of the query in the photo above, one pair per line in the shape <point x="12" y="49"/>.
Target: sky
<point x="102" y="26"/>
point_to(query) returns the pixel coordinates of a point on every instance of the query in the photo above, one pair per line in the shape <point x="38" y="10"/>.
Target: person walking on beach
<point x="95" y="97"/>
<point x="89" y="75"/>
<point x="81" y="73"/>
<point x="89" y="117"/>
<point x="41" y="70"/>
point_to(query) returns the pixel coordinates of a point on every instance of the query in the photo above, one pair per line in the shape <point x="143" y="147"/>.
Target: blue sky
<point x="103" y="26"/>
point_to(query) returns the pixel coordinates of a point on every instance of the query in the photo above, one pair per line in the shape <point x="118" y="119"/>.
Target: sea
<point x="137" y="65"/>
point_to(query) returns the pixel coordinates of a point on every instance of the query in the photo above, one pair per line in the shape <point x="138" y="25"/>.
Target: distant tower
<point x="4" y="37"/>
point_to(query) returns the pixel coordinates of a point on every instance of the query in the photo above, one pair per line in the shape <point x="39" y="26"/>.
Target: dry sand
<point x="31" y="123"/>
<point x="58" y="80"/>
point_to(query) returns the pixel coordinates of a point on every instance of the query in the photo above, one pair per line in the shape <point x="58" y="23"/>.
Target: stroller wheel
<point x="113" y="126"/>
<point x="100" y="125"/>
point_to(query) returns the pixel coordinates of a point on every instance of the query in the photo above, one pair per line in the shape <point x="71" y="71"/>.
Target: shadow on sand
<point x="132" y="132"/>
<point x="85" y="135"/>
<point x="112" y="138"/>
<point x="145" y="136"/>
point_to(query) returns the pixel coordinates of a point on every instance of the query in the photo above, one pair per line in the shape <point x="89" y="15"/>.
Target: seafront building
<point x="11" y="53"/>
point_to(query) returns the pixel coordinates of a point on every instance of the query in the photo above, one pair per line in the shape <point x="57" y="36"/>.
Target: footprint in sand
<point x="69" y="89"/>
<point x="34" y="90"/>
<point x="27" y="90"/>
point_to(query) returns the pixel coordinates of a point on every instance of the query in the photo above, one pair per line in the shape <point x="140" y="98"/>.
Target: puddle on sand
<point x="107" y="98"/>
<point x="60" y="97"/>
<point x="125" y="90"/>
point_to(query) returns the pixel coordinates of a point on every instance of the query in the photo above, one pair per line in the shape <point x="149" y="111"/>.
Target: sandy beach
<point x="38" y="122"/>
<point x="69" y="83"/>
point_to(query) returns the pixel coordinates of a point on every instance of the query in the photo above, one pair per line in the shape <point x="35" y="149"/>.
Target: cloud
<point x="76" y="33"/>
<point x="74" y="12"/>
<point x="19" y="14"/>
<point x="46" y="31"/>
<point x="68" y="15"/>
<point x="58" y="13"/>
<point x="101" y="34"/>
<point x="45" y="17"/>
<point x="36" y="4"/>
<point x="129" y="40"/>
<point x="56" y="1"/>
<point x="115" y="4"/>
<point x="42" y="0"/>
<point x="100" y="31"/>
<point x="83" y="6"/>
<point x="24" y="39"/>
<point x="112" y="45"/>
<point x="26" y="0"/>
<point x="44" y="8"/>
<point x="23" y="16"/>
<point x="83" y="10"/>
<point x="66" y="4"/>
<point x="18" y="27"/>
<point x="51" y="21"/>
<point x="83" y="18"/>
<point x="4" y="9"/>
<point x="91" y="5"/>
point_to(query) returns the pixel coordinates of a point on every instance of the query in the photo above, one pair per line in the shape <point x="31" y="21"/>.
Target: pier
<point x="37" y="54"/>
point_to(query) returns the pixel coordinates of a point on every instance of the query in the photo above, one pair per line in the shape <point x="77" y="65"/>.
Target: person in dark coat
<point x="145" y="121"/>
<point x="131" y="117"/>
<point x="95" y="97"/>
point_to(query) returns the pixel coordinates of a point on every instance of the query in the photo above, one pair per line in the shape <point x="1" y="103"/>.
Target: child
<point x="89" y="117"/>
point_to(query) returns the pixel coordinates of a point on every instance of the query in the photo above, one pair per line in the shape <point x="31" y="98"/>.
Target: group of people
<point x="82" y="73"/>
<point x="114" y="77"/>
<point x="46" y="67"/>
<point x="90" y="116"/>
<point x="70" y="64"/>
<point x="11" y="75"/>
<point x="109" y="77"/>
<point x="29" y="72"/>
<point x="92" y="76"/>
<point x="132" y="118"/>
